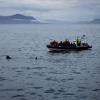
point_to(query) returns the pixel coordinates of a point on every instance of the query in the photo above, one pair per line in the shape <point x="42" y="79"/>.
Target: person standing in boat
<point x="78" y="41"/>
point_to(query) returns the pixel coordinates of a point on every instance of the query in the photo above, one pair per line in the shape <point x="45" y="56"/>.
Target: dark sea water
<point x="52" y="76"/>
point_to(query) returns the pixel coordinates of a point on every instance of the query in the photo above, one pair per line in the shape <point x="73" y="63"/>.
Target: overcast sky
<point x="69" y="10"/>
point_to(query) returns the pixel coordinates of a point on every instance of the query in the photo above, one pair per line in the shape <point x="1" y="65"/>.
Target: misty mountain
<point x="94" y="21"/>
<point x="97" y="21"/>
<point x="18" y="19"/>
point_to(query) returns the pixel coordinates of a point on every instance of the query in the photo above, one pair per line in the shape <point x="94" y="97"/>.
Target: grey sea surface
<point x="72" y="75"/>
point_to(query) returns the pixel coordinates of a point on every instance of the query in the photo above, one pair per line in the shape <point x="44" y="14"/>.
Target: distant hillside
<point x="97" y="21"/>
<point x="18" y="19"/>
<point x="94" y="21"/>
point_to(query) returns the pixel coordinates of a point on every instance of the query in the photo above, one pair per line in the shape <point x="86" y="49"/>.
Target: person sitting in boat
<point x="73" y="45"/>
<point x="54" y="43"/>
<point x="60" y="43"/>
<point x="66" y="43"/>
<point x="78" y="41"/>
<point x="85" y="44"/>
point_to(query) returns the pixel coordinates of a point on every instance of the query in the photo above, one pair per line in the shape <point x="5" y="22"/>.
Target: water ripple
<point x="17" y="96"/>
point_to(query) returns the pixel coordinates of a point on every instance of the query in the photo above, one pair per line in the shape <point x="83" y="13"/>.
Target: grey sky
<point x="69" y="10"/>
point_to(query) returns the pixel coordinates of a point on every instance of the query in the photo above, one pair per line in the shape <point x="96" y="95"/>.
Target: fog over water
<point x="72" y="75"/>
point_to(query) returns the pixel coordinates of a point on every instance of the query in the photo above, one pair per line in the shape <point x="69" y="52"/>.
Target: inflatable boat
<point x="65" y="48"/>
